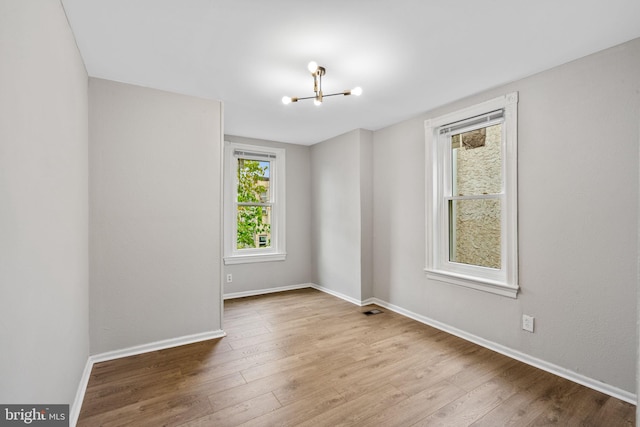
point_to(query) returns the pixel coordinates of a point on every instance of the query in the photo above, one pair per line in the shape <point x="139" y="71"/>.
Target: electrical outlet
<point x="229" y="278"/>
<point x="527" y="322"/>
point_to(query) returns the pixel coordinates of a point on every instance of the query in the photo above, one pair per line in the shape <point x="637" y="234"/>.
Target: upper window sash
<point x="444" y="141"/>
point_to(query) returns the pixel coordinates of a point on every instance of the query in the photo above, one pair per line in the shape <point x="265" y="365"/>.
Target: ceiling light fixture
<point x="317" y="72"/>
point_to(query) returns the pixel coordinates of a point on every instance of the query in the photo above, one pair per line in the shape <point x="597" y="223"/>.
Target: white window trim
<point x="438" y="267"/>
<point x="277" y="251"/>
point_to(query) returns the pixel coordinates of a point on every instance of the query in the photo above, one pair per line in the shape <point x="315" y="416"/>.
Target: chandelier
<point x="317" y="72"/>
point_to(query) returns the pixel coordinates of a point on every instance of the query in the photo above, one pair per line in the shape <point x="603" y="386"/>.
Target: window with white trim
<point x="471" y="197"/>
<point x="254" y="212"/>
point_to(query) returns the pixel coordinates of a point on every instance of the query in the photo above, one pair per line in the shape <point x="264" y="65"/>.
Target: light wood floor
<point x="305" y="358"/>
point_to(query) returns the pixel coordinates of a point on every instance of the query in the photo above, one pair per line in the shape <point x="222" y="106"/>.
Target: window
<point x="471" y="197"/>
<point x="254" y="204"/>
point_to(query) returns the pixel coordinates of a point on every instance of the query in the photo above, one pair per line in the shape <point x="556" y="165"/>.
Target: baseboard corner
<point x="157" y="345"/>
<point x="252" y="293"/>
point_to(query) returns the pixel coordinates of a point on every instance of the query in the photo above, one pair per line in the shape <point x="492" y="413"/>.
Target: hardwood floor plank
<point x="470" y="407"/>
<point x="413" y="409"/>
<point x="484" y="369"/>
<point x="613" y="409"/>
<point x="369" y="373"/>
<point x="314" y="404"/>
<point x="238" y="414"/>
<point x="241" y="333"/>
<point x="200" y="385"/>
<point x="237" y="365"/>
<point x="524" y="407"/>
<point x="296" y="382"/>
<point x="151" y="412"/>
<point x="307" y="358"/>
<point x="354" y="412"/>
<point x="234" y="396"/>
<point x="527" y="377"/>
<point x="107" y="396"/>
<point x="577" y="406"/>
<point x="283" y="364"/>
<point x="432" y="370"/>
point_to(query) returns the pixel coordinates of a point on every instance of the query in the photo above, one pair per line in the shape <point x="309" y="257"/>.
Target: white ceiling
<point x="409" y="56"/>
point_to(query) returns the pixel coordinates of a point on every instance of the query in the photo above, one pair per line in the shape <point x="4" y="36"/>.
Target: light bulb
<point x="317" y="102"/>
<point x="357" y="91"/>
<point x="312" y="67"/>
<point x="286" y="100"/>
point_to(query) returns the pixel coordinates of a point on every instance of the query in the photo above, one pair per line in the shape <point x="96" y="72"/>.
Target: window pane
<point x="474" y="232"/>
<point x="253" y="181"/>
<point x="254" y="227"/>
<point x="477" y="161"/>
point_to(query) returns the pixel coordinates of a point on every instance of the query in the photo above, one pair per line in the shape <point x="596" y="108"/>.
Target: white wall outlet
<point x="229" y="278"/>
<point x="527" y="322"/>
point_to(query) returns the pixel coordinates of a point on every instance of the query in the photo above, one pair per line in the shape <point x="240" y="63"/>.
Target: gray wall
<point x="366" y="214"/>
<point x="337" y="220"/>
<point x="155" y="195"/>
<point x="296" y="269"/>
<point x="44" y="323"/>
<point x="578" y="212"/>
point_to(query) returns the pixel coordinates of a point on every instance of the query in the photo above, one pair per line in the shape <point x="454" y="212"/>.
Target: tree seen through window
<point x="254" y="204"/>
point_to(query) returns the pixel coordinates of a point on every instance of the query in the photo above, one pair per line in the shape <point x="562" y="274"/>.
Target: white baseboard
<point x="131" y="351"/>
<point x="243" y="294"/>
<point x="337" y="294"/>
<point x="514" y="354"/>
<point x="74" y="411"/>
<point x="368" y="301"/>
<point x="157" y="345"/>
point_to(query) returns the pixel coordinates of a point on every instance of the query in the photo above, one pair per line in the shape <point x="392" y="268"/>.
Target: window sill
<point x="480" y="284"/>
<point x="247" y="259"/>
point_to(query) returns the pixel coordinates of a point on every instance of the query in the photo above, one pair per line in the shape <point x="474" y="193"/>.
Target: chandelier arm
<point x="345" y="93"/>
<point x="306" y="97"/>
